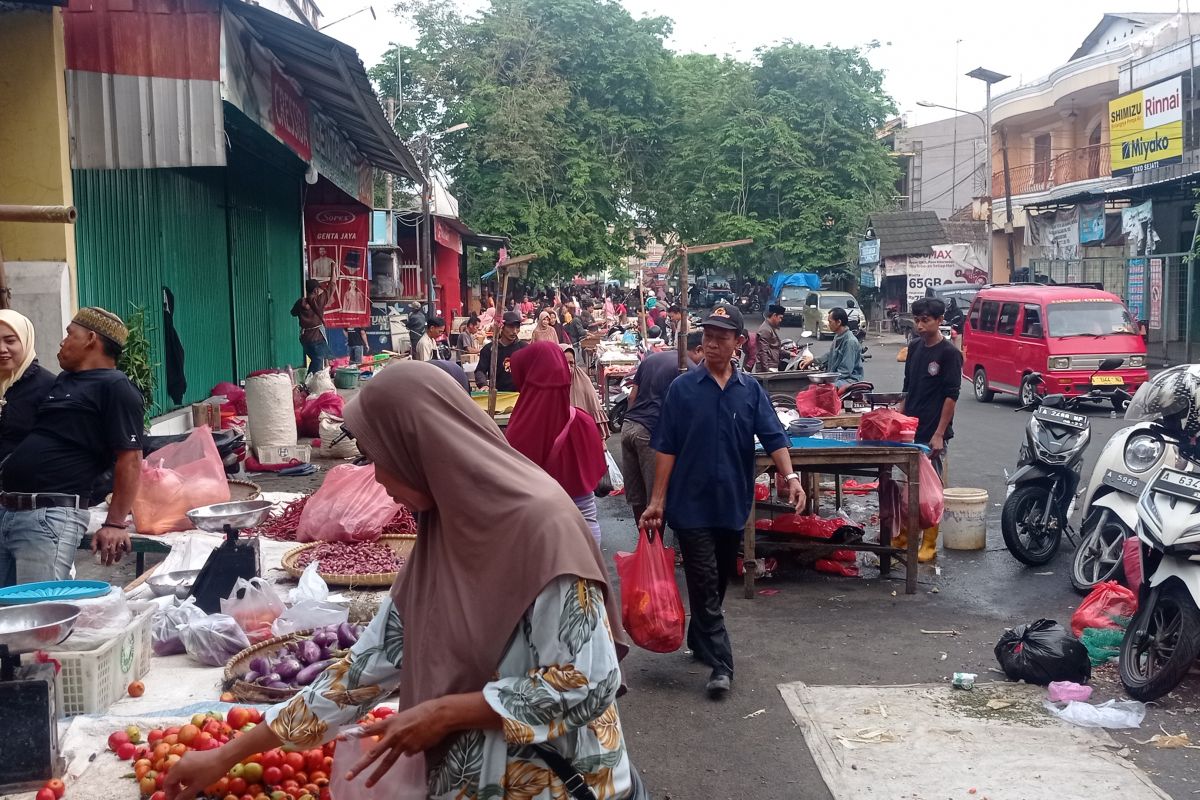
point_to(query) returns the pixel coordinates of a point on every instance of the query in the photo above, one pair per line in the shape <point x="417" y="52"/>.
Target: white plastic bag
<point x="165" y="627"/>
<point x="1113" y="714"/>
<point x="319" y="382"/>
<point x="309" y="614"/>
<point x="255" y="606"/>
<point x="614" y="472"/>
<point x="311" y="586"/>
<point x="406" y="780"/>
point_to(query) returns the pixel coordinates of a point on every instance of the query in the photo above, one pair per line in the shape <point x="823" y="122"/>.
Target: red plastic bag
<point x="651" y="608"/>
<point x="235" y="396"/>
<point x="886" y="425"/>
<point x="821" y="400"/>
<point x="308" y="416"/>
<point x="350" y="506"/>
<point x="1131" y="558"/>
<point x="893" y="500"/>
<point x="839" y="568"/>
<point x="1107" y="600"/>
<point x="177" y="478"/>
<point x="808" y="525"/>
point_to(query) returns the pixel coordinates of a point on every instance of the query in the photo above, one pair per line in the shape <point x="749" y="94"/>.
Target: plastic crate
<point x="840" y="434"/>
<point x="92" y="680"/>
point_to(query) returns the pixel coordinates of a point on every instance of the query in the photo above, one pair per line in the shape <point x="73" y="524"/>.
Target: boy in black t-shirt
<point x="932" y="375"/>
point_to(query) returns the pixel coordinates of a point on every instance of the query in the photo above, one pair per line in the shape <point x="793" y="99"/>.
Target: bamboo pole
<point x="66" y="214"/>
<point x="497" y="326"/>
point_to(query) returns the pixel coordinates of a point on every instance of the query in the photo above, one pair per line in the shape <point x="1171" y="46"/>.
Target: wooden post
<point x="681" y="339"/>
<point x="497" y="326"/>
<point x="1008" y="215"/>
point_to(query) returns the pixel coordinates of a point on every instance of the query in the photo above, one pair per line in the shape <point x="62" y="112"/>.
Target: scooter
<point x="749" y="304"/>
<point x="1162" y="641"/>
<point x="1128" y="459"/>
<point x="620" y="407"/>
<point x="1039" y="505"/>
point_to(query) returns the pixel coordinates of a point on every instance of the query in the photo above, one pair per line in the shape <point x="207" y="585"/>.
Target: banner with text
<point x="336" y="240"/>
<point x="946" y="264"/>
<point x="1056" y="231"/>
<point x="1146" y="128"/>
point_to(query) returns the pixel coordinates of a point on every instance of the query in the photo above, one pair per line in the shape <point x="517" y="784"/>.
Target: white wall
<point x="41" y="290"/>
<point x="937" y="158"/>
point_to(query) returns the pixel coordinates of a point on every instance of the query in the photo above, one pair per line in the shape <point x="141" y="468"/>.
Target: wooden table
<point x="811" y="457"/>
<point x="140" y="545"/>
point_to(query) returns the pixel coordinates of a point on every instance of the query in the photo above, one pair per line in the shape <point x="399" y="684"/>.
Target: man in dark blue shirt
<point x="704" y="479"/>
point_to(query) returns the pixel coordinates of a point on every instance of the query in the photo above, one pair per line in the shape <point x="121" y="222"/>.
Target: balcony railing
<point x="1083" y="164"/>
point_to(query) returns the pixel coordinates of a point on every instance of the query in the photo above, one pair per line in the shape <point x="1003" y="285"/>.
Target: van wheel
<point x="1028" y="393"/>
<point x="982" y="393"/>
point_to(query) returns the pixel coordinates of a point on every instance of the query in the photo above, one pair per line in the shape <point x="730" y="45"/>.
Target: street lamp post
<point x="989" y="77"/>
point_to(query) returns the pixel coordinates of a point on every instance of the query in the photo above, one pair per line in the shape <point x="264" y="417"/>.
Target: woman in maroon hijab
<point x="552" y="433"/>
<point x="497" y="633"/>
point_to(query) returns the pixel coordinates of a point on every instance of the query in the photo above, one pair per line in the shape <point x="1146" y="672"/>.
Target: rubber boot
<point x="928" y="551"/>
<point x="901" y="539"/>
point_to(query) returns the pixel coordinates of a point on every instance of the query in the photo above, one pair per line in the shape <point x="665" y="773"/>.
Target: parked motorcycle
<point x="1037" y="511"/>
<point x="749" y="304"/>
<point x="1128" y="459"/>
<point x="620" y="405"/>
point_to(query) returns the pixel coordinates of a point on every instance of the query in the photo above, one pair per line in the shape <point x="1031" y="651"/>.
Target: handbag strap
<point x="562" y="435"/>
<point x="572" y="778"/>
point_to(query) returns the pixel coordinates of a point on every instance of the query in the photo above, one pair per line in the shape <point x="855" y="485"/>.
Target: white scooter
<point x="1132" y="456"/>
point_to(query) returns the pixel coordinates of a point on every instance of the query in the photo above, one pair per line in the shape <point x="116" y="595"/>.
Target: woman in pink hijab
<point x="496" y="632"/>
<point x="552" y="433"/>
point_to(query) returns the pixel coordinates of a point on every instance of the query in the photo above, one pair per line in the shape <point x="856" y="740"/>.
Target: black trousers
<point x="709" y="561"/>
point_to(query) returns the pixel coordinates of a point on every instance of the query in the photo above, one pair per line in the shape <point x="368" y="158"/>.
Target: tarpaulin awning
<point x="782" y="279"/>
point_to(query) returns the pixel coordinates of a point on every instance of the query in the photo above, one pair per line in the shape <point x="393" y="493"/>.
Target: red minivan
<point x="1063" y="332"/>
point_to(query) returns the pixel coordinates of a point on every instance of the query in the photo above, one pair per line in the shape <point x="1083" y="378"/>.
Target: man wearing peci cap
<point x="90" y="421"/>
<point x="509" y="344"/>
<point x="704" y="479"/>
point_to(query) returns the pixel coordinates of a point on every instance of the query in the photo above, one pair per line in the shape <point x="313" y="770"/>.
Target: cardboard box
<point x="282" y="454"/>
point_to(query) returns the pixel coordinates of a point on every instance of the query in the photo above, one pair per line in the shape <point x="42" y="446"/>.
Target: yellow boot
<point x="928" y="551"/>
<point x="901" y="539"/>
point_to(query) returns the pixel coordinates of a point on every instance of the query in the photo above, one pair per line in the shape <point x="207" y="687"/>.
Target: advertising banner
<point x="1091" y="222"/>
<point x="1146" y="128"/>
<point x="939" y="268"/>
<point x="335" y="239"/>
<point x="1156" y="293"/>
<point x="1058" y="231"/>
<point x="1137" y="288"/>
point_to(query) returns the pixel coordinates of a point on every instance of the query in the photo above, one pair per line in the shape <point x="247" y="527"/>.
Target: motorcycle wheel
<point x="616" y="415"/>
<point x="1020" y="522"/>
<point x="1100" y="555"/>
<point x="1160" y="644"/>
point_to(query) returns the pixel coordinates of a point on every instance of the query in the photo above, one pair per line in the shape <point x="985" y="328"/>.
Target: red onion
<point x="358" y="558"/>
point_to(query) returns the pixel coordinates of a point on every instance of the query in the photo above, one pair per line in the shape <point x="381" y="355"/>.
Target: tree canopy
<point x="587" y="135"/>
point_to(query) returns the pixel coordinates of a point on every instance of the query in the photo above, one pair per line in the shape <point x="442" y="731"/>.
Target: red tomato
<point x="237" y="716"/>
<point x="126" y="751"/>
<point x="171" y="731"/>
<point x="237" y="786"/>
<point x="188" y="733"/>
<point x="56" y="786"/>
<point x="201" y="741"/>
<point x="158" y="782"/>
<point x="147" y="785"/>
<point x="383" y="712"/>
<point x="288" y="771"/>
<point x="154" y="736"/>
<point x="116" y="739"/>
<point x="294" y="760"/>
<point x="272" y="776"/>
<point x="159" y="796"/>
<point x="272" y="758"/>
<point x="212" y="727"/>
<point x="45" y="794"/>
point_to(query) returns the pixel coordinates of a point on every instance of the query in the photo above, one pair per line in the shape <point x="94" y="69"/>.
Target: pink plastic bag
<point x="651" y="608"/>
<point x="308" y="416"/>
<point x="893" y="500"/>
<point x="177" y="478"/>
<point x="886" y="425"/>
<point x="1066" y="691"/>
<point x="1107" y="600"/>
<point x="350" y="506"/>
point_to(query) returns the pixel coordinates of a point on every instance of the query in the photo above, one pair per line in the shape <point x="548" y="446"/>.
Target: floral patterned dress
<point x="556" y="683"/>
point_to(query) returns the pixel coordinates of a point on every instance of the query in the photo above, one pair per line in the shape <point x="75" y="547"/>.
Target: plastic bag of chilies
<point x="651" y="608"/>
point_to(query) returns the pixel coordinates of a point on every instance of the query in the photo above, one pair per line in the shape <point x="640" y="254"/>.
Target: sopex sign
<point x="1146" y="128"/>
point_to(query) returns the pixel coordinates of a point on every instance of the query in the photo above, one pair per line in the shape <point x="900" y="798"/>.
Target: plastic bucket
<point x="346" y="377"/>
<point x="964" y="520"/>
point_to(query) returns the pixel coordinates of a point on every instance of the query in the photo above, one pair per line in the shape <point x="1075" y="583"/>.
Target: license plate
<point x="1178" y="484"/>
<point x="1107" y="380"/>
<point x="1122" y="482"/>
<point x="1059" y="417"/>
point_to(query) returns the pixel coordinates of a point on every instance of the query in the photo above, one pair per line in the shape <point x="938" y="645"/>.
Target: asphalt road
<point x="825" y="630"/>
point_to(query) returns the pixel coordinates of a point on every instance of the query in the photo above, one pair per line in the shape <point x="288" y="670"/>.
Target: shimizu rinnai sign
<point x="1146" y="128"/>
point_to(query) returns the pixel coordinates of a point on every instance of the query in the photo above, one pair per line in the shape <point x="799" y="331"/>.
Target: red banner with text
<point x="336" y="238"/>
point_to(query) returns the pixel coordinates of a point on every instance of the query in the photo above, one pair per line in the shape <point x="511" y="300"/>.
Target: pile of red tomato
<point x="274" y="775"/>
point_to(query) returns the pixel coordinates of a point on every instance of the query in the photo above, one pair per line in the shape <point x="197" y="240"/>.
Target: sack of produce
<point x="350" y="506"/>
<point x="213" y="639"/>
<point x="308" y="416"/>
<point x="254" y="604"/>
<point x="651" y="609"/>
<point x="1042" y="652"/>
<point x="165" y="627"/>
<point x="330" y="427"/>
<point x="177" y="478"/>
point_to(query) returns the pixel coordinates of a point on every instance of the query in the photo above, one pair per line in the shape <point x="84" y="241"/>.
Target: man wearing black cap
<point x="509" y="344"/>
<point x="704" y="479"/>
<point x="91" y="420"/>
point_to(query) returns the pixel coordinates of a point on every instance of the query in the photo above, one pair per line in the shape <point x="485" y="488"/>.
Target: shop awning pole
<point x="11" y="213"/>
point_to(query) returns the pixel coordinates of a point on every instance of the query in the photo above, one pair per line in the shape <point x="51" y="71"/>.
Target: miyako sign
<point x="1146" y="128"/>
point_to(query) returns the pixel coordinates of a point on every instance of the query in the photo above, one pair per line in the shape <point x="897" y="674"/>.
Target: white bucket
<point x="964" y="520"/>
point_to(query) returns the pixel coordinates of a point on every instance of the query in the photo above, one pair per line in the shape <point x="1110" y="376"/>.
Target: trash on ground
<point x="941" y="633"/>
<point x="1103" y="644"/>
<point x="1107" y="604"/>
<point x="964" y="680"/>
<point x="768" y="592"/>
<point x="867" y="736"/>
<point x="995" y="704"/>
<point x="753" y="714"/>
<point x="1113" y="714"/>
<point x="1041" y="652"/>
<point x="1066" y="691"/>
<point x="1169" y="741"/>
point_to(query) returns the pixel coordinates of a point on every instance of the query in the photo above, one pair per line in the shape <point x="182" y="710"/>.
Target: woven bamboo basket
<point x="239" y="664"/>
<point x="402" y="545"/>
<point x="243" y="490"/>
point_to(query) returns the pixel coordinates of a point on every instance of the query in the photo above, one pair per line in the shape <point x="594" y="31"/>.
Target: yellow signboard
<point x="1146" y="128"/>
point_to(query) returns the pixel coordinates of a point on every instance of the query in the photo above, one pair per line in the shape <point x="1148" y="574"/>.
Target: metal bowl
<point x="242" y="514"/>
<point x="163" y="585"/>
<point x="24" y="629"/>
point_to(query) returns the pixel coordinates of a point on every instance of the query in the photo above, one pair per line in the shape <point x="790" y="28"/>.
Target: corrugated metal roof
<point x="331" y="74"/>
<point x="904" y="233"/>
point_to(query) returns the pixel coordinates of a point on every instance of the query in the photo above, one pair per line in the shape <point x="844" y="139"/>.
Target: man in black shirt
<point x="90" y="421"/>
<point x="932" y="375"/>
<point x="509" y="344"/>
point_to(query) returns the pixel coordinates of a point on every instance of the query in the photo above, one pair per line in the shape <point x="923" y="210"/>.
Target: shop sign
<point x="1156" y="293"/>
<point x="290" y="115"/>
<point x="336" y="239"/>
<point x="866" y="277"/>
<point x="336" y="159"/>
<point x="1057" y="230"/>
<point x="868" y="251"/>
<point x="1146" y="128"/>
<point x="446" y="236"/>
<point x="1137" y="288"/>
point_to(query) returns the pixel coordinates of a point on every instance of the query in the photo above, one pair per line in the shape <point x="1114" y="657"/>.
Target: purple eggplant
<point x="279" y="685"/>
<point x="287" y="668"/>
<point x="324" y="637"/>
<point x="310" y="673"/>
<point x="268" y="679"/>
<point x="261" y="665"/>
<point x="308" y="652"/>
<point x="251" y="676"/>
<point x="346" y="635"/>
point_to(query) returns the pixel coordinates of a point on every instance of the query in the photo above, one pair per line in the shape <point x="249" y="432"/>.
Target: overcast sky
<point x="924" y="45"/>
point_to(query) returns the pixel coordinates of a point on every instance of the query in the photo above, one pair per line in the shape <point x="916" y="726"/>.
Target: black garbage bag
<point x="1041" y="652"/>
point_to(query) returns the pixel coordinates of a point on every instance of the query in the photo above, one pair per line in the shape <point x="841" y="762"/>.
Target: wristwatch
<point x="791" y="476"/>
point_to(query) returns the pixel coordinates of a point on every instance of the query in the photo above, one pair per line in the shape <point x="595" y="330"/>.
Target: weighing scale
<point x="233" y="559"/>
<point x="29" y="754"/>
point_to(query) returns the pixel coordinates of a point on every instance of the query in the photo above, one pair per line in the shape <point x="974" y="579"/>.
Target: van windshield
<point x="1090" y="319"/>
<point x="796" y="296"/>
<point x="830" y="301"/>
